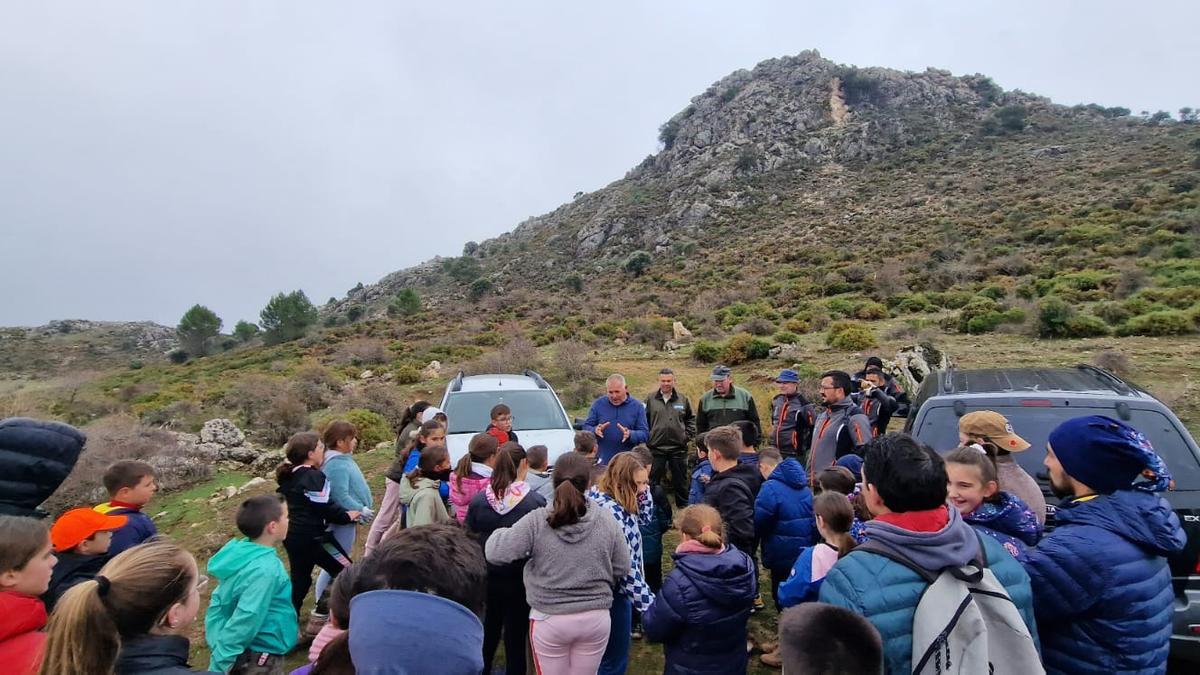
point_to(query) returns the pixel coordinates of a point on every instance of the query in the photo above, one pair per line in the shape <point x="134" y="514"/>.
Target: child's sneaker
<point x="315" y="623"/>
<point x="759" y="605"/>
<point x="636" y="632"/>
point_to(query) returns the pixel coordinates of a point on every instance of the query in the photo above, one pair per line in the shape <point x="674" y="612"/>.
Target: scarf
<point x="512" y="496"/>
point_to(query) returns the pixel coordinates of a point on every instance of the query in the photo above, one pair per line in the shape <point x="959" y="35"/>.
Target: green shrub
<point x="706" y="351"/>
<point x="637" y="262"/>
<point x="784" y="337"/>
<point x="1113" y="313"/>
<point x="993" y="292"/>
<point x="850" y="336"/>
<point x="868" y="311"/>
<point x="406" y="375"/>
<point x="1053" y="314"/>
<point x="1085" y="325"/>
<point x="915" y="304"/>
<point x="465" y="269"/>
<point x="479" y="288"/>
<point x="952" y="299"/>
<point x="406" y="303"/>
<point x="840" y="308"/>
<point x="1165" y="322"/>
<point x="971" y="319"/>
<point x="373" y="429"/>
<point x="489" y="338"/>
<point x="796" y="325"/>
<point x="983" y="323"/>
<point x="245" y="331"/>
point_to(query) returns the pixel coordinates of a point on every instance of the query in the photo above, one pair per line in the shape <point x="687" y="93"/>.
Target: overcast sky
<point x="158" y="154"/>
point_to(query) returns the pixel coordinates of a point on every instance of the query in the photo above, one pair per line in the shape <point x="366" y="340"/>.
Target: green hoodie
<point x="252" y="605"/>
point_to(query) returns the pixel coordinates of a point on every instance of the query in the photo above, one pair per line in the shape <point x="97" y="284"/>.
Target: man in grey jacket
<point x="672" y="426"/>
<point x="841" y="428"/>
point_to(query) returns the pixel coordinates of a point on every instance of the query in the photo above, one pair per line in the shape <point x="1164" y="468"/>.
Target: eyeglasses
<point x="824" y="388"/>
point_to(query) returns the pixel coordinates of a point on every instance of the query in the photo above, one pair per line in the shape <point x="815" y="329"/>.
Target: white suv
<point x="538" y="416"/>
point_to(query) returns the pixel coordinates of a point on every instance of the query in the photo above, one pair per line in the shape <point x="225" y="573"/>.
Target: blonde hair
<point x="619" y="483"/>
<point x="129" y="597"/>
<point x="703" y="523"/>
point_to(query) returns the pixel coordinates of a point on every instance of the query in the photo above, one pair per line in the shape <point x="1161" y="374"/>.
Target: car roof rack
<point x="531" y="374"/>
<point x="456" y="383"/>
<point x="1115" y="382"/>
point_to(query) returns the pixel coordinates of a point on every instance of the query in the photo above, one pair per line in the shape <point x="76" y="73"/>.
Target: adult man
<point x="1101" y="585"/>
<point x="725" y="403"/>
<point x="618" y="421"/>
<point x="840" y="428"/>
<point x="790" y="415"/>
<point x="875" y="401"/>
<point x="892" y="387"/>
<point x="904" y="486"/>
<point x="672" y="425"/>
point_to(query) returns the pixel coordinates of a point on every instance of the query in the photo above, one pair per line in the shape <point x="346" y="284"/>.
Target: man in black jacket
<point x="733" y="487"/>
<point x="672" y="426"/>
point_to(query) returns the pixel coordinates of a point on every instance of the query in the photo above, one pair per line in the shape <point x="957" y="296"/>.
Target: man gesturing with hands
<point x="618" y="421"/>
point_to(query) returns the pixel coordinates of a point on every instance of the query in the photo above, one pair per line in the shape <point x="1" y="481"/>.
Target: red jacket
<point x="22" y="618"/>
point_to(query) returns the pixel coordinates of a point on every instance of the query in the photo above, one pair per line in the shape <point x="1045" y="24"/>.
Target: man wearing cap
<point x="840" y="428"/>
<point x="875" y="401"/>
<point x="80" y="538"/>
<point x="991" y="431"/>
<point x="791" y="417"/>
<point x="672" y="426"/>
<point x="1101" y="586"/>
<point x="891" y="387"/>
<point x="725" y="404"/>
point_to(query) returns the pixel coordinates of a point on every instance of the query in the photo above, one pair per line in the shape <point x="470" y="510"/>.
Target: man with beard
<point x="790" y="417"/>
<point x="1101" y="585"/>
<point x="840" y="428"/>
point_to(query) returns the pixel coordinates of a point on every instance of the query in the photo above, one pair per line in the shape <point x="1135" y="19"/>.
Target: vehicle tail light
<point x="1037" y="403"/>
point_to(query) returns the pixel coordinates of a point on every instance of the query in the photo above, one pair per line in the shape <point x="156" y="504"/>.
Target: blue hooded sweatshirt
<point x="410" y="633"/>
<point x="783" y="515"/>
<point x="1101" y="585"/>
<point x="631" y="414"/>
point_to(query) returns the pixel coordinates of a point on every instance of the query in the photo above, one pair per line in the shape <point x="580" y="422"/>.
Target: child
<point x="834" y="516"/>
<point x="420" y="491"/>
<point x="701" y="613"/>
<point x="733" y="487"/>
<point x="585" y="444"/>
<point x="347" y="486"/>
<point x="575" y="550"/>
<point x="81" y="538"/>
<point x="250" y="619"/>
<point x="539" y="478"/>
<point x="840" y="479"/>
<point x="26" y="564"/>
<point x="130" y="485"/>
<point x="701" y="474"/>
<point x="506" y="499"/>
<point x="134" y="617"/>
<point x="820" y="638"/>
<point x="749" y="434"/>
<point x="624" y="491"/>
<point x="473" y="473"/>
<point x="390" y="509"/>
<point x="652" y="534"/>
<point x="975" y="491"/>
<point x="501" y="426"/>
<point x="783" y="515"/>
<point x="310" y="510"/>
<point x="410" y="424"/>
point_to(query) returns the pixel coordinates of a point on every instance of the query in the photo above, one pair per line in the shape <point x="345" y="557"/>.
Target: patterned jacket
<point x="634" y="585"/>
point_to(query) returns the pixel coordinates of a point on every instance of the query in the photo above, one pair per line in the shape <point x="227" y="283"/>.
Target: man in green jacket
<point x="672" y="426"/>
<point x="725" y="404"/>
<point x="250" y="618"/>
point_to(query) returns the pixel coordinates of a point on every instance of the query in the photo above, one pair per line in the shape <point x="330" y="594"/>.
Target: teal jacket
<point x="252" y="605"/>
<point x="346" y="482"/>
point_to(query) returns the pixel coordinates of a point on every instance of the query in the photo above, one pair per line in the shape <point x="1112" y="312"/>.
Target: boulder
<point x="366" y="375"/>
<point x="223" y="432"/>
<point x="432" y="371"/>
<point x="680" y="333"/>
<point x="252" y="483"/>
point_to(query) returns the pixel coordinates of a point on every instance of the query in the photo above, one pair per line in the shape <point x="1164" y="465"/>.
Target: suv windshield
<point x="470" y="412"/>
<point x="939" y="429"/>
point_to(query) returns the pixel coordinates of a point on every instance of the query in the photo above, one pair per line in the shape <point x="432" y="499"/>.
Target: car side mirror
<point x="577" y="425"/>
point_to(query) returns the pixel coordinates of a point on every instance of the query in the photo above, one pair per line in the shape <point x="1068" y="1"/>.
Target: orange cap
<point x="76" y="525"/>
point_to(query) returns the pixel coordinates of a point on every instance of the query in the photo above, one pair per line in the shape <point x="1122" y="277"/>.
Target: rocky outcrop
<point x="223" y="432"/>
<point x="222" y="443"/>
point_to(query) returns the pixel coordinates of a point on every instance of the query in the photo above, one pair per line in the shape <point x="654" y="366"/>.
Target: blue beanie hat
<point x="1107" y="455"/>
<point x="854" y="463"/>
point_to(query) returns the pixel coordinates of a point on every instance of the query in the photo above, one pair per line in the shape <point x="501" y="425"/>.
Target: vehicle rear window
<point x="470" y="412"/>
<point x="939" y="429"/>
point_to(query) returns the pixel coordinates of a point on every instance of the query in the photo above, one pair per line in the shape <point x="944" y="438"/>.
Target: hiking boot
<point x="759" y="605"/>
<point x="772" y="659"/>
<point x="315" y="623"/>
<point x="636" y="631"/>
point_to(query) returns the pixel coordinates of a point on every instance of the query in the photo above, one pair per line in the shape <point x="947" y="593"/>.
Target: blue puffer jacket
<point x="1102" y="589"/>
<point x="783" y="515"/>
<point x="887" y="592"/>
<point x="700" y="614"/>
<point x="700" y="476"/>
<point x="1009" y="522"/>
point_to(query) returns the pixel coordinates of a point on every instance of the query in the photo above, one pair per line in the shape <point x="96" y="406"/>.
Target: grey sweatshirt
<point x="571" y="569"/>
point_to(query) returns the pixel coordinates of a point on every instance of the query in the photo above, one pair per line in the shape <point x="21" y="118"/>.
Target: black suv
<point x="1035" y="401"/>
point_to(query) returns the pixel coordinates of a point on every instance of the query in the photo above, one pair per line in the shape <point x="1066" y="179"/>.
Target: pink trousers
<point x="570" y="644"/>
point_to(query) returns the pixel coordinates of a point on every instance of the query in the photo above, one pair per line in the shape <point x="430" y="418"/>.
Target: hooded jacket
<point x="35" y="458"/>
<point x="631" y="414"/>
<point x="311" y="506"/>
<point x="732" y="492"/>
<point x="22" y="618"/>
<point x="71" y="569"/>
<point x="422" y="503"/>
<point x="1102" y="588"/>
<point x="701" y="612"/>
<point x="887" y="592"/>
<point x="700" y="477"/>
<point x="251" y="607"/>
<point x="411" y="633"/>
<point x="397" y="474"/>
<point x="483" y="519"/>
<point x="672" y="423"/>
<point x="155" y="655"/>
<point x="1009" y="522"/>
<point x="541" y="482"/>
<point x="840" y="429"/>
<point x="570" y="569"/>
<point x="783" y="515"/>
<point x="463" y="490"/>
<point x="346" y="481"/>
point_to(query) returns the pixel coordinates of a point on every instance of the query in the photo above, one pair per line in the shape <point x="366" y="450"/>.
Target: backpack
<point x="965" y="621"/>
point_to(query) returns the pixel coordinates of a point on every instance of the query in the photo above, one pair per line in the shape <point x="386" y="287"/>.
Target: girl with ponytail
<point x="473" y="473"/>
<point x="391" y="511"/>
<point x="835" y="516"/>
<point x="132" y="618"/>
<point x="700" y="615"/>
<point x="410" y="424"/>
<point x="419" y="491"/>
<point x="573" y="551"/>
